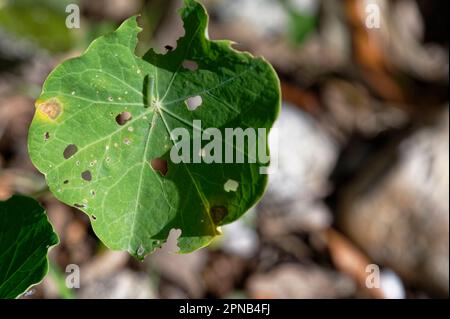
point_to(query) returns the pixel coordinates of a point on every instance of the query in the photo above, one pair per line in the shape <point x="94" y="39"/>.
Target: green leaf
<point x="110" y="171"/>
<point x="25" y="237"/>
<point x="301" y="24"/>
<point x="42" y="22"/>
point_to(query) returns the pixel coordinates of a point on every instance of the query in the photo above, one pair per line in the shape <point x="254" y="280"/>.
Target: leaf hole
<point x="190" y="65"/>
<point x="169" y="48"/>
<point x="66" y="182"/>
<point x="171" y="244"/>
<point x="141" y="250"/>
<point x="231" y="186"/>
<point x="79" y="205"/>
<point x="159" y="165"/>
<point x="86" y="175"/>
<point x="194" y="102"/>
<point x="94" y="217"/>
<point x="46" y="136"/>
<point x="123" y="118"/>
<point x="70" y="151"/>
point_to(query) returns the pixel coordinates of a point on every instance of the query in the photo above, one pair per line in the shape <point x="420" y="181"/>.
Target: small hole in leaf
<point x="66" y="182"/>
<point x="194" y="102"/>
<point x="140" y="251"/>
<point x="231" y="186"/>
<point x="190" y="65"/>
<point x="46" y="136"/>
<point x="94" y="217"/>
<point x="123" y="118"/>
<point x="171" y="244"/>
<point x="159" y="165"/>
<point x="79" y="205"/>
<point x="70" y="151"/>
<point x="168" y="48"/>
<point x="86" y="175"/>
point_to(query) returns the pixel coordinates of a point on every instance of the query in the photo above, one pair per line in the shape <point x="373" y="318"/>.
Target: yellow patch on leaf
<point x="49" y="110"/>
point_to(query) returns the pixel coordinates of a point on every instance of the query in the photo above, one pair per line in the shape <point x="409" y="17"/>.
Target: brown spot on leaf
<point x="218" y="213"/>
<point x="51" y="108"/>
<point x="87" y="176"/>
<point x="159" y="165"/>
<point x="70" y="151"/>
<point x="123" y="118"/>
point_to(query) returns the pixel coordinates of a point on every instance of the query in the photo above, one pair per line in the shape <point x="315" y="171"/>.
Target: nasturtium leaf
<point x="25" y="237"/>
<point x="103" y="126"/>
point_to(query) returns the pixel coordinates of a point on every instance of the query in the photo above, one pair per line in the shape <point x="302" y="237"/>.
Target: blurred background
<point x="363" y="150"/>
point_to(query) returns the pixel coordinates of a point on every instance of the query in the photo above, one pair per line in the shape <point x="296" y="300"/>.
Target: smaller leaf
<point x="41" y="23"/>
<point x="25" y="238"/>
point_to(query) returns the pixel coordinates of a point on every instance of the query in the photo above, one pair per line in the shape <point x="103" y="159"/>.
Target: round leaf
<point x="102" y="135"/>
